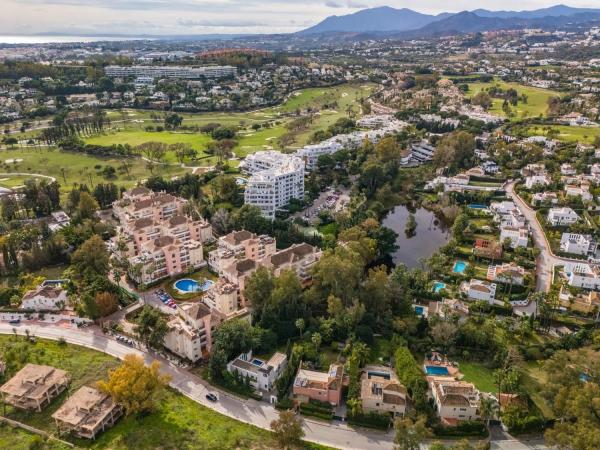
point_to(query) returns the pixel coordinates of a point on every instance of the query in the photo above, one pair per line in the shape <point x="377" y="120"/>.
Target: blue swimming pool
<point x="476" y="206"/>
<point x="435" y="370"/>
<point x="459" y="267"/>
<point x="419" y="310"/>
<point x="187" y="285"/>
<point x="241" y="181"/>
<point x="438" y="286"/>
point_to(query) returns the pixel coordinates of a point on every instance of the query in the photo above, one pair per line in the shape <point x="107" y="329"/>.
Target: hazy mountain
<point x="553" y="11"/>
<point x="388" y="20"/>
<point x="375" y="19"/>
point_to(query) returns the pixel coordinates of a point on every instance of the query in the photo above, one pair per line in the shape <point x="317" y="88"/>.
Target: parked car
<point x="15" y="321"/>
<point x="211" y="397"/>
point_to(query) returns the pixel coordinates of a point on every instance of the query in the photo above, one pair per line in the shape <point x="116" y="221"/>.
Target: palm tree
<point x="487" y="410"/>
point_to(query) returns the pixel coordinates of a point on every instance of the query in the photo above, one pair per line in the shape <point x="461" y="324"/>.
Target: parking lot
<point x="333" y="200"/>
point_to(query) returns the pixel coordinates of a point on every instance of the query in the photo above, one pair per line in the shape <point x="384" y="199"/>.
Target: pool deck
<point x="443" y="362"/>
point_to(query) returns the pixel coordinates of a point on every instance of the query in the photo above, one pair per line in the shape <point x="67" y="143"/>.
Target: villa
<point x="321" y="386"/>
<point x="45" y="298"/>
<point x="486" y="248"/>
<point x="518" y="236"/>
<point x="544" y="198"/>
<point x="382" y="392"/>
<point x="507" y="273"/>
<point x="262" y="375"/>
<point x="537" y="180"/>
<point x="562" y="217"/>
<point x="449" y="307"/>
<point x="582" y="275"/>
<point x="34" y="387"/>
<point x="454" y="400"/>
<point x="87" y="413"/>
<point x="479" y="290"/>
<point x="578" y="244"/>
<point x="586" y="302"/>
<point x="582" y="191"/>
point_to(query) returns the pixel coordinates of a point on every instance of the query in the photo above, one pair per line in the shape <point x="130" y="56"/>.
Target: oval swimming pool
<point x="187" y="285"/>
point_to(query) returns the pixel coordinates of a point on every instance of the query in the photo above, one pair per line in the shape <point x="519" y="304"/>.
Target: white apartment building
<point x="578" y="244"/>
<point x="45" y="298"/>
<point x="184" y="72"/>
<point x="310" y="153"/>
<point x="564" y="216"/>
<point x="454" y="400"/>
<point x="262" y="375"/>
<point x="273" y="188"/>
<point x="479" y="290"/>
<point x="582" y="275"/>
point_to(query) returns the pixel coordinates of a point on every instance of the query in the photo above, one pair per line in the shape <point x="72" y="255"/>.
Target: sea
<point x="56" y="39"/>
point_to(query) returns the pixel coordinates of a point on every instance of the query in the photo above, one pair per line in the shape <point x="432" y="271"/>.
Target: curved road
<point x="249" y="411"/>
<point x="547" y="260"/>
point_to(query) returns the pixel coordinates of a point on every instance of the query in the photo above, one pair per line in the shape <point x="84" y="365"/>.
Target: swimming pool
<point x="476" y="206"/>
<point x="435" y="370"/>
<point x="241" y="181"/>
<point x="187" y="285"/>
<point x="419" y="310"/>
<point x="459" y="267"/>
<point x="438" y="286"/>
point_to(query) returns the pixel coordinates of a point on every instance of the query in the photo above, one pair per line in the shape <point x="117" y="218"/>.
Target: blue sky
<point x="213" y="16"/>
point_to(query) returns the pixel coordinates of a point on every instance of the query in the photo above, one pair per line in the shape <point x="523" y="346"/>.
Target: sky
<point x="184" y="17"/>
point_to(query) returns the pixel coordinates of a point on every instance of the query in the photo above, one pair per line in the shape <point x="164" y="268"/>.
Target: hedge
<point x="370" y="420"/>
<point x="309" y="409"/>
<point x="463" y="429"/>
<point x="284" y="404"/>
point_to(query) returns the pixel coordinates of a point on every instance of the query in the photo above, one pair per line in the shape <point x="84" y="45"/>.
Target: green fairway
<point x="82" y="168"/>
<point x="537" y="99"/>
<point x="177" y="422"/>
<point x="584" y="135"/>
<point x="330" y="104"/>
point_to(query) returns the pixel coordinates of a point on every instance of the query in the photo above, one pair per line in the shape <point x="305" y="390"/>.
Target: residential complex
<point x="156" y="236"/>
<point x="87" y="413"/>
<point x="190" y="332"/>
<point x="34" y="387"/>
<point x="275" y="181"/>
<point x="183" y="72"/>
<point x="239" y="245"/>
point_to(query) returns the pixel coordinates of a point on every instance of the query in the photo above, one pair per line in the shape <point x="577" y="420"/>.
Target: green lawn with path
<point x="177" y="422"/>
<point x="537" y="98"/>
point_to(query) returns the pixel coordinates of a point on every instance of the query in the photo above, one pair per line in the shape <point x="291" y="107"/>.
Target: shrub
<point x="370" y="420"/>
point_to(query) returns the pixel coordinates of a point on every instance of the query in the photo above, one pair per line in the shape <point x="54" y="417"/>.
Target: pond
<point x="430" y="234"/>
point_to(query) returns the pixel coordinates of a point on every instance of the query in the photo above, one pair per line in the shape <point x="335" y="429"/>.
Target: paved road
<point x="256" y="413"/>
<point x="547" y="260"/>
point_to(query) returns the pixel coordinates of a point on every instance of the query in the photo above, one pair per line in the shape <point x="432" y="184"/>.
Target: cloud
<point x="332" y="4"/>
<point x="232" y="23"/>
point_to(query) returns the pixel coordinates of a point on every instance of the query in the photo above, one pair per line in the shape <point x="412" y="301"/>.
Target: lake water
<point x="430" y="235"/>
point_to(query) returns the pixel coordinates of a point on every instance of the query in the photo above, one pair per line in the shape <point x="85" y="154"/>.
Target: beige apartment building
<point x="382" y="392"/>
<point x="87" y="413"/>
<point x="34" y="387"/>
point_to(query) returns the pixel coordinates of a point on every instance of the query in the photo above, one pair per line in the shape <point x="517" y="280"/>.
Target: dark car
<point x="211" y="397"/>
<point x="15" y="321"/>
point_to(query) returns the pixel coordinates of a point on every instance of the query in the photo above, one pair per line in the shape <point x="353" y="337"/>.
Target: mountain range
<point x="408" y="23"/>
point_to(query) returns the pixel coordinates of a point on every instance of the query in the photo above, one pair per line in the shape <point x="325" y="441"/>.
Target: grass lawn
<point x="566" y="133"/>
<point x="81" y="168"/>
<point x="537" y="99"/>
<point x="12" y="182"/>
<point x="177" y="423"/>
<point x="479" y="375"/>
<point x="198" y="141"/>
<point x="19" y="439"/>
